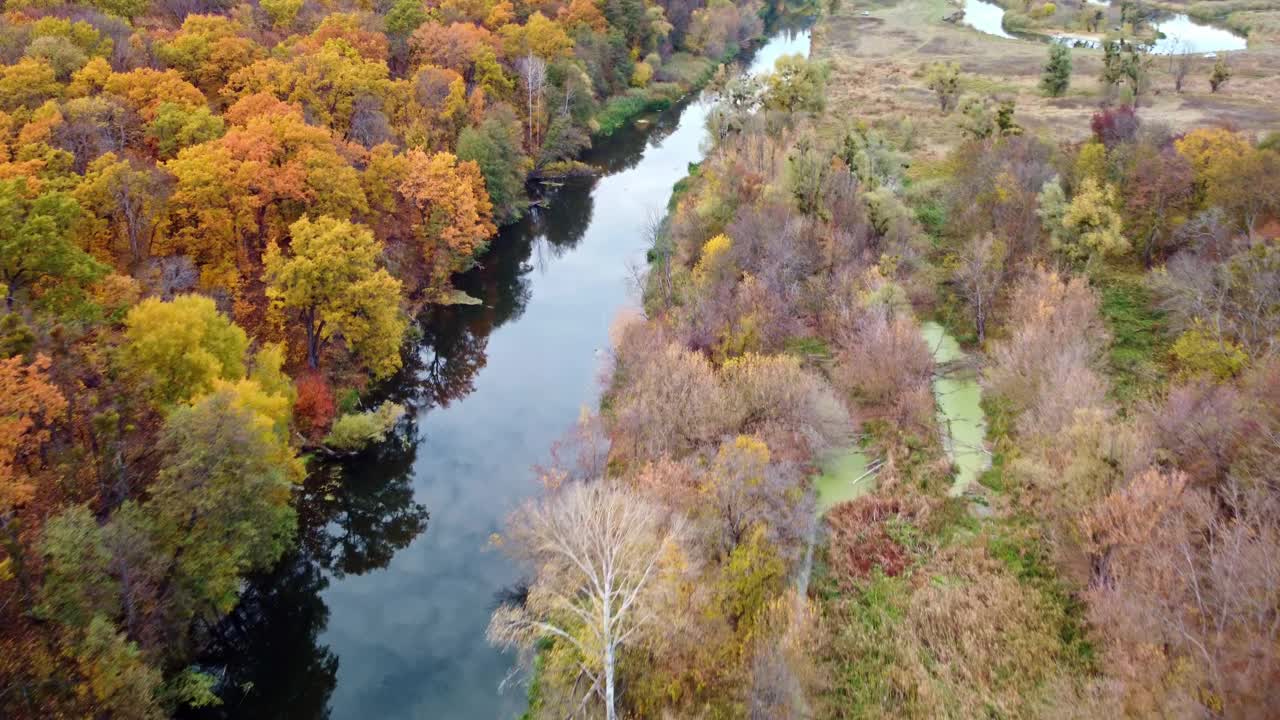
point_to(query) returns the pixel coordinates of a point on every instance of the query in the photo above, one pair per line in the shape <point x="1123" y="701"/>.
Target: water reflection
<point x="325" y="634"/>
<point x="352" y="518"/>
<point x="267" y="652"/>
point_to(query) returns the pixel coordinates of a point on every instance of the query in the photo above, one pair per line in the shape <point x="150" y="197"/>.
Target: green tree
<point x="35" y="241"/>
<point x="178" y="126"/>
<point x="494" y="145"/>
<point x="1086" y="227"/>
<point x="1220" y="75"/>
<point x="178" y="349"/>
<point x="944" y="80"/>
<point x="220" y="505"/>
<point x="796" y="85"/>
<point x="281" y="12"/>
<point x="404" y="17"/>
<point x="1057" y="72"/>
<point x="117" y="679"/>
<point x="333" y="282"/>
<point x="76" y="584"/>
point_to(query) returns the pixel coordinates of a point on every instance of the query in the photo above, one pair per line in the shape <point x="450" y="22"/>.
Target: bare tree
<point x="533" y="72"/>
<point x="597" y="548"/>
<point x="1181" y="62"/>
<point x="980" y="274"/>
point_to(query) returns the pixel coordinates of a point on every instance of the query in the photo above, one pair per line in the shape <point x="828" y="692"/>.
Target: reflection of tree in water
<point x="624" y="149"/>
<point x="266" y="652"/>
<point x="352" y="518"/>
<point x="442" y="365"/>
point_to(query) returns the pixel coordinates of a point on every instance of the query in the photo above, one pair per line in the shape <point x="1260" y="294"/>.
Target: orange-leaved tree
<point x="452" y="212"/>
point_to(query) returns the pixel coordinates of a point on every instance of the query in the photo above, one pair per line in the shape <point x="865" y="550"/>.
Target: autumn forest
<point x="238" y="237"/>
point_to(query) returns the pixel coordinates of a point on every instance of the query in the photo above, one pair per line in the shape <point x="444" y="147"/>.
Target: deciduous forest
<point x="216" y="221"/>
<point x="221" y="221"/>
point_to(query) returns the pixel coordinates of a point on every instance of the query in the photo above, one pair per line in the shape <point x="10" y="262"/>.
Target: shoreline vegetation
<point x="1116" y="557"/>
<point x="219" y="220"/>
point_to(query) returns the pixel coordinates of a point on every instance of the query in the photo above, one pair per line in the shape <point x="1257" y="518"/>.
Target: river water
<point x="1176" y="33"/>
<point x="381" y="612"/>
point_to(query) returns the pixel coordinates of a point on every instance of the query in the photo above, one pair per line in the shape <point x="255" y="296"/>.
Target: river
<point x="382" y="610"/>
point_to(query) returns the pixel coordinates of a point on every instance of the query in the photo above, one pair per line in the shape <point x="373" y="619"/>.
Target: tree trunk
<point x="981" y="320"/>
<point x="610" y="707"/>
<point x="313" y="339"/>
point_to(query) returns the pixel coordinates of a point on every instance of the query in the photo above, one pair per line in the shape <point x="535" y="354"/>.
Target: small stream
<point x="961" y="421"/>
<point x="847" y="473"/>
<point x="1176" y="33"/>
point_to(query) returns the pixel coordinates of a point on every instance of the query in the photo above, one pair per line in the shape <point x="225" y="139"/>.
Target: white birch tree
<point x="533" y="72"/>
<point x="598" y="550"/>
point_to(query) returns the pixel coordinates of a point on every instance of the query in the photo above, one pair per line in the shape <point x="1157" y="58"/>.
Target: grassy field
<point x="877" y="63"/>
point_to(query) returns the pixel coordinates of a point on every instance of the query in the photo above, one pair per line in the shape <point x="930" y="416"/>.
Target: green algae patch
<point x="959" y="400"/>
<point x="846" y="475"/>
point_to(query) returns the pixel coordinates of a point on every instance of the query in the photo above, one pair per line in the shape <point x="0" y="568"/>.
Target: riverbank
<point x="512" y="372"/>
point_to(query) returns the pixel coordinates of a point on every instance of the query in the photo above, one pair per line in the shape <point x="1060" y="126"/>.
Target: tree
<point x="281" y="12"/>
<point x="980" y="273"/>
<point x="1057" y="72"/>
<point x="494" y="146"/>
<point x="796" y="84"/>
<point x="1252" y="191"/>
<point x="454" y="47"/>
<point x="36" y="243"/>
<point x="128" y="200"/>
<point x="220" y="505"/>
<point x="333" y="282"/>
<point x="599" y="552"/>
<point x="1220" y="75"/>
<point x="533" y="72"/>
<point x="1086" y="227"/>
<point x="1181" y="64"/>
<point x="29" y="405"/>
<point x="178" y="349"/>
<point x="1158" y="196"/>
<point x="540" y="36"/>
<point x="176" y="127"/>
<point x="452" y="211"/>
<point x="404" y="17"/>
<point x="944" y="80"/>
<point x="27" y="84"/>
<point x="235" y="195"/>
<point x="744" y="492"/>
<point x="208" y="50"/>
<point x="77" y="585"/>
<point x="1111" y="62"/>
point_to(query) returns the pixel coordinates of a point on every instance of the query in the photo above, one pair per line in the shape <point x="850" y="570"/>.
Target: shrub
<point x="315" y="407"/>
<point x="1047" y="368"/>
<point x="1199" y="353"/>
<point x="356" y="431"/>
<point x="862" y="541"/>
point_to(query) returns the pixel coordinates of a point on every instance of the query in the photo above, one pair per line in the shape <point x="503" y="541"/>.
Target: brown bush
<point x="860" y="540"/>
<point x="1046" y="369"/>
<point x="885" y="363"/>
<point x="315" y="408"/>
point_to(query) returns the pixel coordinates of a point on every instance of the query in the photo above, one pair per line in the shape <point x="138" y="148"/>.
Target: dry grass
<point x="876" y="75"/>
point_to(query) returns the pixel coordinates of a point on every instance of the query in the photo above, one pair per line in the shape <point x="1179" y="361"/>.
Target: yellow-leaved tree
<point x="178" y="349"/>
<point x="335" y="288"/>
